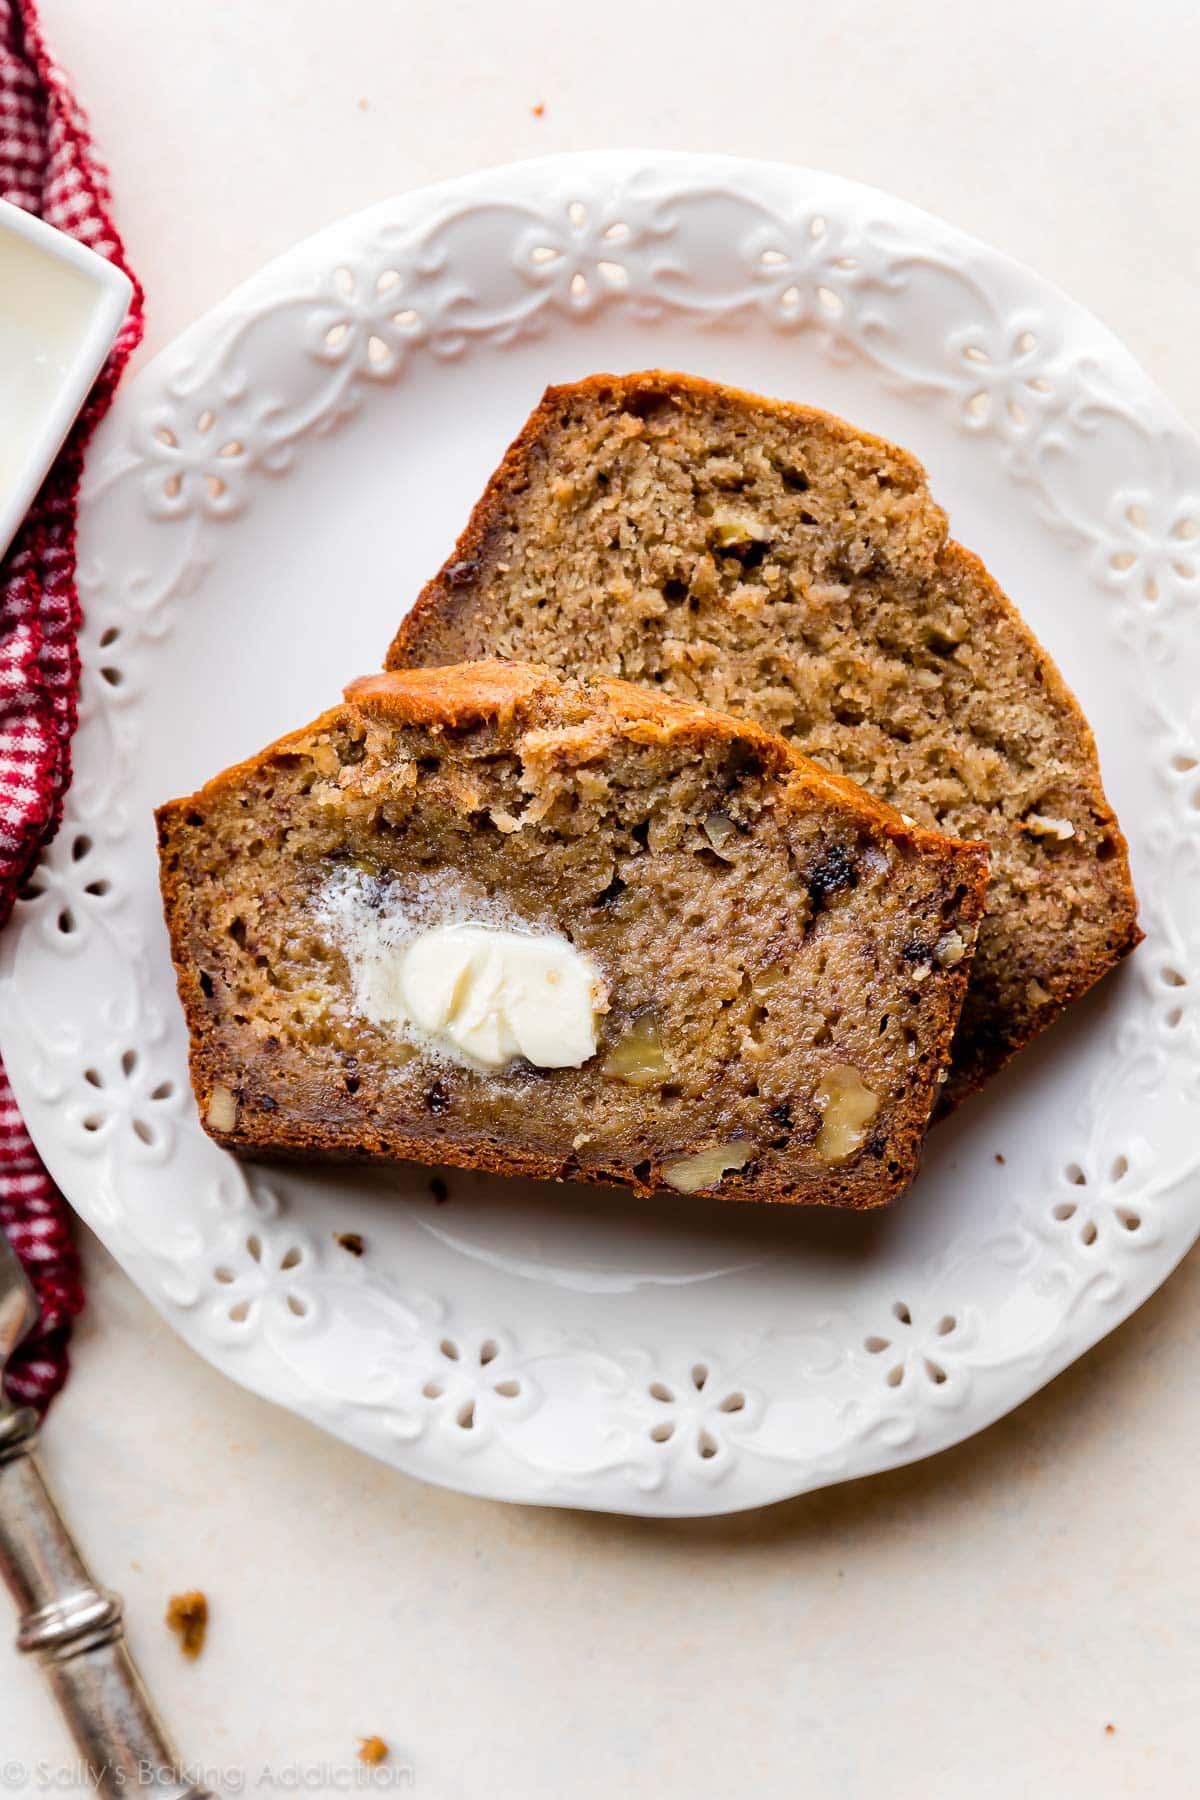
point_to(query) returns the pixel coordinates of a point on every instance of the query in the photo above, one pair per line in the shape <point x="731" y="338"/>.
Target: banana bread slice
<point x="486" y="917"/>
<point x="774" y="562"/>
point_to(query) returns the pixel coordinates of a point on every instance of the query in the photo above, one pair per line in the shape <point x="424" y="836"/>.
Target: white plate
<point x="263" y="503"/>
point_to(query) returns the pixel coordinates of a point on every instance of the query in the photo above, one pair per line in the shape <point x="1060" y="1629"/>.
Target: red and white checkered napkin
<point x="47" y="166"/>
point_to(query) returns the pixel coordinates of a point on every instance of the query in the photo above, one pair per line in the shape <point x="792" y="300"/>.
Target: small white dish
<point x="61" y="307"/>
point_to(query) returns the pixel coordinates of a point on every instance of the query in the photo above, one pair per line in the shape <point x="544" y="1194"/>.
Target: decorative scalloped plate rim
<point x="574" y="1347"/>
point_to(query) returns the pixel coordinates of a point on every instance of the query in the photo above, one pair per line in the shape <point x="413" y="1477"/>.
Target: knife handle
<point x="75" y="1630"/>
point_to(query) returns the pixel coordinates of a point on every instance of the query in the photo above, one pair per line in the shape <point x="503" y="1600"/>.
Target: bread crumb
<point x="187" y="1616"/>
<point x="372" y="1750"/>
<point x="351" y="1241"/>
<point x="439" y="1190"/>
<point x="538" y="111"/>
<point x="1109" y="1730"/>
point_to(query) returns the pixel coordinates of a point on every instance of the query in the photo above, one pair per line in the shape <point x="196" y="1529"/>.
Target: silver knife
<point x="71" y="1626"/>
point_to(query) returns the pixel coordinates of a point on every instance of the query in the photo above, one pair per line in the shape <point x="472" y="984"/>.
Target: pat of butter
<point x="497" y="995"/>
<point x="489" y="995"/>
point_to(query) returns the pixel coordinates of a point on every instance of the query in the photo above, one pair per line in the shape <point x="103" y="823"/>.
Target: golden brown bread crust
<point x="445" y="701"/>
<point x="450" y="615"/>
<point x="456" y="697"/>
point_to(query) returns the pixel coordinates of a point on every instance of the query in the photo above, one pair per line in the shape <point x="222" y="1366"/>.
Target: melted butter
<point x="482" y="989"/>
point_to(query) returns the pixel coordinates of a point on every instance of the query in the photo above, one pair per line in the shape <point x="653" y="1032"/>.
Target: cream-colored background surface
<point x="970" y="1627"/>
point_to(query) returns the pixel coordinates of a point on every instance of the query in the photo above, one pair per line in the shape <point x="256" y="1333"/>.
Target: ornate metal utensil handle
<point x="75" y="1631"/>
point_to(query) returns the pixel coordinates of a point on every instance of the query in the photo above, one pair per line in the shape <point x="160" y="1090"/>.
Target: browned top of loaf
<point x="465" y="694"/>
<point x="856" y="628"/>
<point x="412" y="772"/>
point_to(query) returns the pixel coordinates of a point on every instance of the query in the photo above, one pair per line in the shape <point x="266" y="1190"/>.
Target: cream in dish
<point x="46" y="308"/>
<point x="61" y="307"/>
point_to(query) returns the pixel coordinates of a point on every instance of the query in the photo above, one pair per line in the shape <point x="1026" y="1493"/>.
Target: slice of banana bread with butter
<point x="776" y="562"/>
<point x="487" y="917"/>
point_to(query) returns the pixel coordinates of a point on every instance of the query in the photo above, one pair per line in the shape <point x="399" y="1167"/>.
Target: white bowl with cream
<point x="61" y="307"/>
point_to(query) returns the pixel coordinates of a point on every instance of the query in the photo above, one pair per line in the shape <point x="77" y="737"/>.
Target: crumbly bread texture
<point x="774" y="562"/>
<point x="783" y="958"/>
